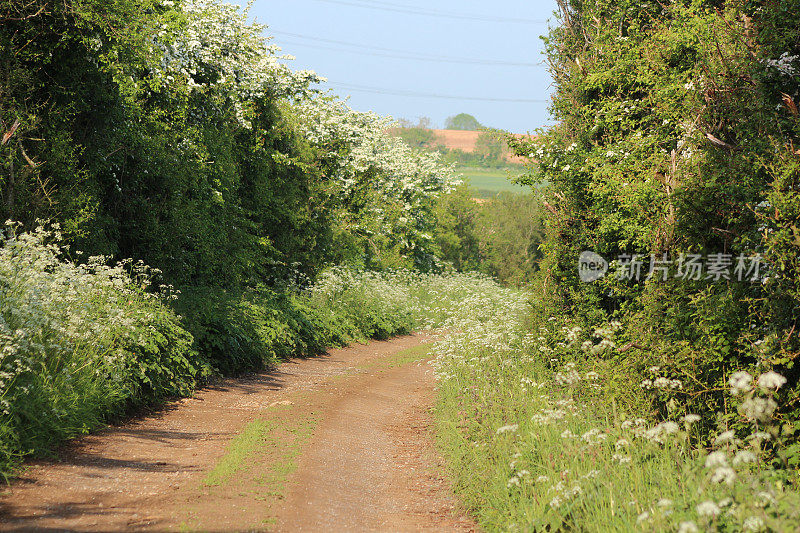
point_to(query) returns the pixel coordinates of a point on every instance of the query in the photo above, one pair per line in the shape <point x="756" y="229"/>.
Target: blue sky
<point x="439" y="30"/>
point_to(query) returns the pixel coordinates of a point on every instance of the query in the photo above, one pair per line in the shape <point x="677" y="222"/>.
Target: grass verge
<point x="544" y="434"/>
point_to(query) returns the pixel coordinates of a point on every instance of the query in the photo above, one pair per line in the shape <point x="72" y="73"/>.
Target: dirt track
<point x="340" y="442"/>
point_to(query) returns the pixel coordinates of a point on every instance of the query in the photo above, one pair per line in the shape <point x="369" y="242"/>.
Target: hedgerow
<point x="677" y="138"/>
<point x="84" y="343"/>
<point x="666" y="399"/>
<point x="174" y="133"/>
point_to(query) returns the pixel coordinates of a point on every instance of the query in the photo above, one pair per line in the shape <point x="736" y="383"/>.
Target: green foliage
<point x="80" y="344"/>
<point x="259" y="328"/>
<point x="417" y="137"/>
<point x="169" y="132"/>
<point x="456" y="230"/>
<point x="462" y="121"/>
<point x="490" y="148"/>
<point x="498" y="236"/>
<point x="649" y="404"/>
<point x="677" y="134"/>
<point x="133" y="165"/>
<point x="543" y="433"/>
<point x="510" y="230"/>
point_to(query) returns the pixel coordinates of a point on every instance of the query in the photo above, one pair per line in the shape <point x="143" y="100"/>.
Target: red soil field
<point x="465" y="141"/>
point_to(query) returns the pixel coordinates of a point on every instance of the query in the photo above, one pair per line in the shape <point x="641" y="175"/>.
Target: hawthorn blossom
<point x="771" y="381"/>
<point x="740" y="382"/>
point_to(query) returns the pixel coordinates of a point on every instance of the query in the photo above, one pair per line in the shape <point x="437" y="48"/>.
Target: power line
<point x="386" y="6"/>
<point x="414" y="94"/>
<point x="398" y="54"/>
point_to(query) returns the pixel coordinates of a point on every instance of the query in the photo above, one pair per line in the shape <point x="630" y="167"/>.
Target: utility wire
<point x="398" y="54"/>
<point x="414" y="94"/>
<point x="396" y="8"/>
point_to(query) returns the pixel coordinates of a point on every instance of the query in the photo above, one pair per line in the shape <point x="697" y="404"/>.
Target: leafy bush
<point x="677" y="135"/>
<point x="658" y="403"/>
<point x="258" y="328"/>
<point x="499" y="237"/>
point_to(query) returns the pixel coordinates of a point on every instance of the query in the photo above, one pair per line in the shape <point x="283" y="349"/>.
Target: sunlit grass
<point x="544" y="433"/>
<point x="489" y="182"/>
<point x="240" y="447"/>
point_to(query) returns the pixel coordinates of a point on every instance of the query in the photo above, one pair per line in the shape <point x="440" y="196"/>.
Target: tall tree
<point x="462" y="121"/>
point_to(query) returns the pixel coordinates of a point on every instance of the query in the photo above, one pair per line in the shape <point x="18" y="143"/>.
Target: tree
<point x="462" y="121"/>
<point x="510" y="229"/>
<point x="456" y="238"/>
<point x="418" y="135"/>
<point x="489" y="146"/>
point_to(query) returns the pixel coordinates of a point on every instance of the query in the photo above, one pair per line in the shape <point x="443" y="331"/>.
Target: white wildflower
<point x="690" y="419"/>
<point x="726" y="437"/>
<point x="708" y="509"/>
<point x="765" y="499"/>
<point x="591" y="474"/>
<point x="512" y="428"/>
<point x="621" y="458"/>
<point x="759" y="436"/>
<point x="753" y="523"/>
<point x="758" y="409"/>
<point x="740" y="382"/>
<point x="771" y="381"/>
<point x="744" y="457"/>
<point x="716" y="459"/>
<point x="723" y="474"/>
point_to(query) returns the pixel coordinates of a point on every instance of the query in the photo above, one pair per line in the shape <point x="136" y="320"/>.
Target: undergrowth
<point x="546" y="431"/>
<point x="84" y="343"/>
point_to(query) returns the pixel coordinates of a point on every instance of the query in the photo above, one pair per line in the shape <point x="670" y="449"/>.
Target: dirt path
<point x="334" y="443"/>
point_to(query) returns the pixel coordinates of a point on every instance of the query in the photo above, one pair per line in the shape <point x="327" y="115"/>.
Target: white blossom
<point x="771" y="381"/>
<point x="708" y="509"/>
<point x="740" y="382"/>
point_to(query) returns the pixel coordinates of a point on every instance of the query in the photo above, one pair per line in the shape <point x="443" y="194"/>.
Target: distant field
<point x="490" y="182"/>
<point x="466" y="140"/>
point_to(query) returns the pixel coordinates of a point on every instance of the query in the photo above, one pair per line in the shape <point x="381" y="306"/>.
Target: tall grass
<point x="543" y="433"/>
<point x="79" y="343"/>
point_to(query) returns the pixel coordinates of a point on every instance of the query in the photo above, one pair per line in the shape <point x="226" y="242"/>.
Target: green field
<point x="489" y="182"/>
